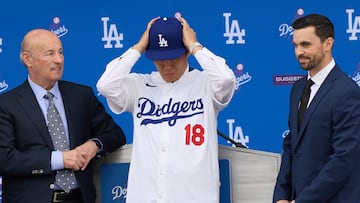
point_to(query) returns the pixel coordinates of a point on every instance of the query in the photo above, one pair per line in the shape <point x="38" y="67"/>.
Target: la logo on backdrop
<point x="232" y="29"/>
<point x="353" y="25"/>
<point x="236" y="132"/>
<point x="354" y="29"/>
<point x="111" y="34"/>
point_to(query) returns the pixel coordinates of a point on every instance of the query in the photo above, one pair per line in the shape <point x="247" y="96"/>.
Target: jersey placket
<point x="163" y="154"/>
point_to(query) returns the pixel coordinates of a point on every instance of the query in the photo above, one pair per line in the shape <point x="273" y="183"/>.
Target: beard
<point x="310" y="63"/>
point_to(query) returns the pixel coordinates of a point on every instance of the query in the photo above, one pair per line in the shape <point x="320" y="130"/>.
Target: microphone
<point x="237" y="144"/>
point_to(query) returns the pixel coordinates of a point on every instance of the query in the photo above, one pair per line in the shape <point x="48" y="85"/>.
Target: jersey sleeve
<point x="222" y="78"/>
<point x="115" y="82"/>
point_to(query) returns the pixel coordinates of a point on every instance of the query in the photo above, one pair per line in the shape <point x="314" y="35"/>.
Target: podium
<point x="246" y="175"/>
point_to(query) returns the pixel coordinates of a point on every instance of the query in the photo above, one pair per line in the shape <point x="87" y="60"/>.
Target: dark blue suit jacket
<point x="321" y="160"/>
<point x="26" y="146"/>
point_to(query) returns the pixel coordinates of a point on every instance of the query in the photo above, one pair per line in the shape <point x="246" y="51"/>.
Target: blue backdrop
<point x="254" y="37"/>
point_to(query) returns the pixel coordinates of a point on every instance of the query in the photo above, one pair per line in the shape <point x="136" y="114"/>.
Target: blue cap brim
<point x="164" y="55"/>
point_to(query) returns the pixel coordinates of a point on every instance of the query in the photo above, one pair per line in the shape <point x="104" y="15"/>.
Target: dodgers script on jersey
<point x="175" y="145"/>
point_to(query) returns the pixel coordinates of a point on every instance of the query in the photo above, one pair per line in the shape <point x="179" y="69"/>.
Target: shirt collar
<point x="319" y="78"/>
<point x="40" y="91"/>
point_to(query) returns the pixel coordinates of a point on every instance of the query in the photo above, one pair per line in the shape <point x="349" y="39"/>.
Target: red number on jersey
<point x="194" y="134"/>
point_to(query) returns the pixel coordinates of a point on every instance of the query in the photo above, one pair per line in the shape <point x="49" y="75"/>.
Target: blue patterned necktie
<point x="65" y="178"/>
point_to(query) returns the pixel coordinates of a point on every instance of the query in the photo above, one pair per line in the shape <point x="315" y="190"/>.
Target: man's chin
<point x="304" y="66"/>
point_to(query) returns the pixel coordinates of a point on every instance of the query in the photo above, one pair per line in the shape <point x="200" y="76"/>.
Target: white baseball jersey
<point x="175" y="145"/>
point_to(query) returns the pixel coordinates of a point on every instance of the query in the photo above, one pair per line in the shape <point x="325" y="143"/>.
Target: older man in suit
<point x="320" y="161"/>
<point x="29" y="158"/>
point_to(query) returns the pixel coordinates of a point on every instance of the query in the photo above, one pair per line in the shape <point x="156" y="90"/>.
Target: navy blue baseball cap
<point x="165" y="40"/>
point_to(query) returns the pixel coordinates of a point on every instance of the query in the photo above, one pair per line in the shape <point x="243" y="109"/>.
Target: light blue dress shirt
<point x="56" y="156"/>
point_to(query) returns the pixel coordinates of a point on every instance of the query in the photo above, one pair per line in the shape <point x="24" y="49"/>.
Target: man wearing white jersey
<point x="175" y="146"/>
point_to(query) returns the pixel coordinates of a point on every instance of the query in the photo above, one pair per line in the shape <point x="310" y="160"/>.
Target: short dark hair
<point x="323" y="26"/>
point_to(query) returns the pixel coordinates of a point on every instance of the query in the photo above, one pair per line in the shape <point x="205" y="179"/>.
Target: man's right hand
<point x="74" y="159"/>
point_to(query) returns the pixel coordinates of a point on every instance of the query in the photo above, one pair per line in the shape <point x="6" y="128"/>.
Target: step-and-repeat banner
<point x="254" y="37"/>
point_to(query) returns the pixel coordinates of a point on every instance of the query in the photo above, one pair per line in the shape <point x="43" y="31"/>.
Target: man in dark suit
<point x="320" y="161"/>
<point x="28" y="159"/>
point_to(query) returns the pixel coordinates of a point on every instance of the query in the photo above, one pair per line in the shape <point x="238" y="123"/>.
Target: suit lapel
<point x="69" y="98"/>
<point x="323" y="90"/>
<point x="28" y="102"/>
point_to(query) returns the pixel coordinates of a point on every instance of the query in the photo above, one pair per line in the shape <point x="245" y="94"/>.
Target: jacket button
<point x="52" y="186"/>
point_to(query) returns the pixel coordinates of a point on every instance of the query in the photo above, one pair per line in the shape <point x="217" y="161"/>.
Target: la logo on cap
<point x="162" y="41"/>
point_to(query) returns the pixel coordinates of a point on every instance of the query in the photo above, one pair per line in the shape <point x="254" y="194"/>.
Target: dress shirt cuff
<point x="57" y="162"/>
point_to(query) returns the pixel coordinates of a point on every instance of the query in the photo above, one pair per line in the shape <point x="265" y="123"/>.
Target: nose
<point x="166" y="64"/>
<point x="299" y="51"/>
<point x="59" y="57"/>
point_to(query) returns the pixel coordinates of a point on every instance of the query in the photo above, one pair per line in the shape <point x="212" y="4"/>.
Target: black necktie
<point x="304" y="101"/>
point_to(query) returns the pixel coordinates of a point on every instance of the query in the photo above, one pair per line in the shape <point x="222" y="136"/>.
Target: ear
<point x="26" y="58"/>
<point x="328" y="44"/>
